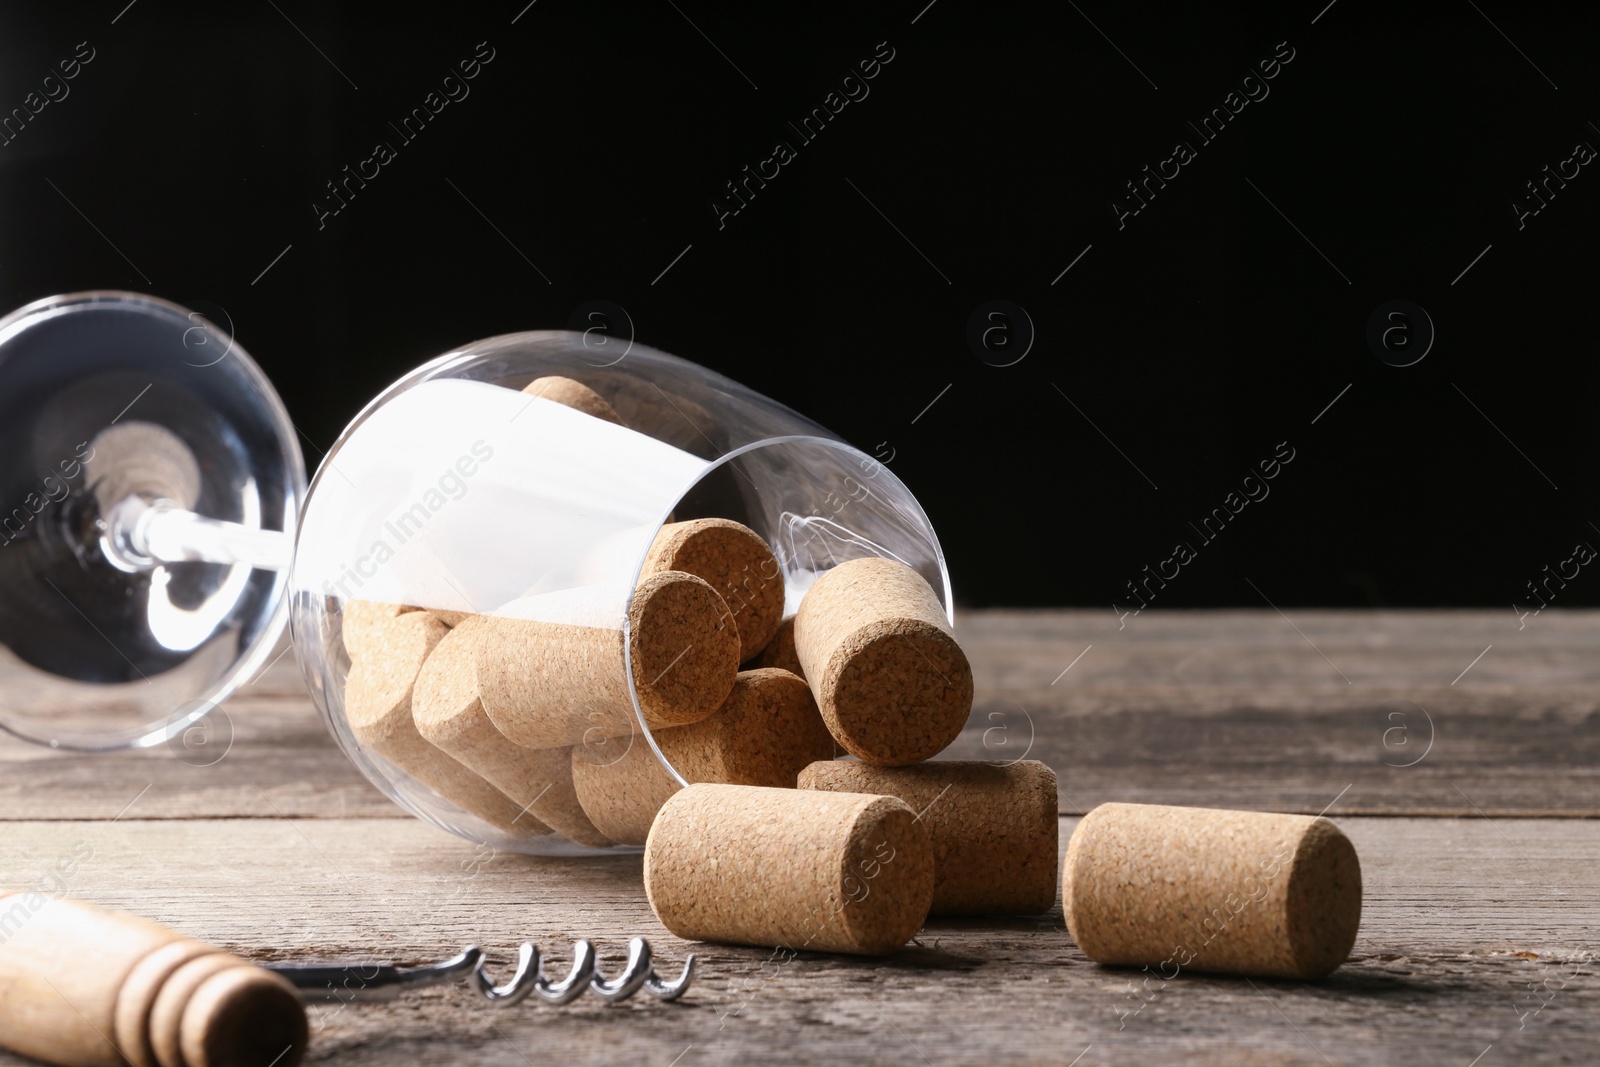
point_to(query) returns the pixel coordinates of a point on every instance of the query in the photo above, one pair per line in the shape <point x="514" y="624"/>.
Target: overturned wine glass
<point x="150" y="483"/>
<point x="158" y="532"/>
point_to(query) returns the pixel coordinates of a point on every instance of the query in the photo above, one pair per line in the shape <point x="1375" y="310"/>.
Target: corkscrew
<point x="347" y="982"/>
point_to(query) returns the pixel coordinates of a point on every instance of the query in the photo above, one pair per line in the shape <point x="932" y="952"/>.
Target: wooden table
<point x="1461" y="754"/>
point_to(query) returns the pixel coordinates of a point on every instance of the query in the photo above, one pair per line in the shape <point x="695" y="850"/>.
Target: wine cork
<point x="764" y="733"/>
<point x="622" y="785"/>
<point x="656" y="409"/>
<point x="1239" y="892"/>
<point x="573" y="394"/>
<point x="994" y="828"/>
<point x="86" y="987"/>
<point x="377" y="708"/>
<point x="780" y="651"/>
<point x="893" y="685"/>
<point x="362" y="620"/>
<point x="738" y="564"/>
<point x="448" y="713"/>
<point x="451" y="618"/>
<point x="552" y="685"/>
<point x="833" y="872"/>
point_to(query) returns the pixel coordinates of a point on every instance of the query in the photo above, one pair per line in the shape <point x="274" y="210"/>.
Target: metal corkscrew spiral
<point x="346" y="982"/>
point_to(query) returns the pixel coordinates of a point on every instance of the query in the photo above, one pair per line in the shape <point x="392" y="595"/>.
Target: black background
<point x="190" y="150"/>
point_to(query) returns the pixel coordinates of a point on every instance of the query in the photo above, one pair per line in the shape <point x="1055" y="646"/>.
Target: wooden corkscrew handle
<point x="83" y="986"/>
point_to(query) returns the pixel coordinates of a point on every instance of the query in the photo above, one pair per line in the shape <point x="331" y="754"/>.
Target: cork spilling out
<point x="893" y="684"/>
<point x="621" y="785"/>
<point x="580" y="707"/>
<point x="684" y="652"/>
<point x="1238" y="892"/>
<point x="554" y="685"/>
<point x="993" y="828"/>
<point x="763" y="734"/>
<point x="797" y="869"/>
<point x="737" y="563"/>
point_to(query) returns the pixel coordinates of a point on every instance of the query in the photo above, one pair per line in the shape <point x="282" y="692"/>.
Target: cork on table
<point x="1470" y="788"/>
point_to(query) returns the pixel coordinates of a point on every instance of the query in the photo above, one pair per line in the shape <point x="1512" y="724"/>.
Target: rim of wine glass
<point x="837" y="445"/>
<point x="246" y="666"/>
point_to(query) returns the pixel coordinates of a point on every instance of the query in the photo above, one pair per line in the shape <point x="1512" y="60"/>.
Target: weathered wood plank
<point x="1471" y="923"/>
<point x="1228" y="709"/>
<point x="1469" y="926"/>
<point x="1250" y="710"/>
<point x="263" y="754"/>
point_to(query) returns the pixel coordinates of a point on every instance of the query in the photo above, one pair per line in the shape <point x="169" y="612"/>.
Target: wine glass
<point x="150" y="481"/>
<point x="169" y="530"/>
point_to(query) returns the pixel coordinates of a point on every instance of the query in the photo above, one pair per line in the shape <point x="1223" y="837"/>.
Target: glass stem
<point x="141" y="534"/>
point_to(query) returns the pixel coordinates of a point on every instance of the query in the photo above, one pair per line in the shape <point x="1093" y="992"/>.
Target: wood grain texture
<point x="1480" y="927"/>
<point x="264" y="754"/>
<point x="1254" y="710"/>
<point x="1220" y="709"/>
<point x="1461" y="916"/>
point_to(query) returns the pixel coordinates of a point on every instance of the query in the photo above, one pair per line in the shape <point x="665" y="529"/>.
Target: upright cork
<point x="994" y="828"/>
<point x="1239" y="892"/>
<point x="738" y="564"/>
<point x="763" y="734"/>
<point x="893" y="685"/>
<point x="377" y="708"/>
<point x="832" y="872"/>
<point x="553" y="685"/>
<point x="82" y="986"/>
<point x="446" y="708"/>
<point x="780" y="651"/>
<point x="573" y="394"/>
